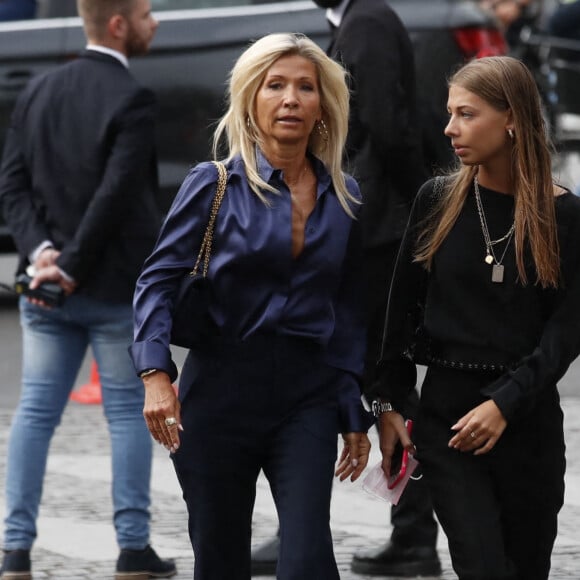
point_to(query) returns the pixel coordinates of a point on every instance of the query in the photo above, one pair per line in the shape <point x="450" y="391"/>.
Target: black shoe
<point x="142" y="565"/>
<point x="394" y="560"/>
<point x="265" y="558"/>
<point x="16" y="565"/>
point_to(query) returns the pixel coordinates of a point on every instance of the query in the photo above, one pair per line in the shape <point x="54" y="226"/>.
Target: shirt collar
<point x="111" y="52"/>
<point x="267" y="172"/>
<point x="335" y="15"/>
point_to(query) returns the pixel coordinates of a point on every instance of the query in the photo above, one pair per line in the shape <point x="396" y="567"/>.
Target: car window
<point x="160" y="5"/>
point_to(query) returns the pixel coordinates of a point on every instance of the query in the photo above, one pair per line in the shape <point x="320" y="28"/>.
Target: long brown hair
<point x="506" y="84"/>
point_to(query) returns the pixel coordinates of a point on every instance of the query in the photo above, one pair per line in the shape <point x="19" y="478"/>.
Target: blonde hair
<point x="239" y="124"/>
<point x="506" y="84"/>
<point x="97" y="13"/>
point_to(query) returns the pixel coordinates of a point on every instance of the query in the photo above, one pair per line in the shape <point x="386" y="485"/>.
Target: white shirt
<point x="334" y="15"/>
<point x="111" y="52"/>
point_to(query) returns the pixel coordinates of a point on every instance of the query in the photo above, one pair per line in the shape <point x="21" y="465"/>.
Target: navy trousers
<point x="499" y="510"/>
<point x="268" y="403"/>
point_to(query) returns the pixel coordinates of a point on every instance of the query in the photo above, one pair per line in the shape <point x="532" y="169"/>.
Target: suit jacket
<point x="79" y="169"/>
<point x="384" y="143"/>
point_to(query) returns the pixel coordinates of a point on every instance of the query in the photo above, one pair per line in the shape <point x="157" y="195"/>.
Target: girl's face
<point x="478" y="132"/>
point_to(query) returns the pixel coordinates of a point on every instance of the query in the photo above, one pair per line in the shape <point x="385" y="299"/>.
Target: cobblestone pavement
<point x="76" y="537"/>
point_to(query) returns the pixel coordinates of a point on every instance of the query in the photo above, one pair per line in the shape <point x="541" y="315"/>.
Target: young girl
<point x="490" y="269"/>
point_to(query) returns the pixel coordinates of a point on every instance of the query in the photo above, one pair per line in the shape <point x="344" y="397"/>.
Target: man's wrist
<point x="379" y="407"/>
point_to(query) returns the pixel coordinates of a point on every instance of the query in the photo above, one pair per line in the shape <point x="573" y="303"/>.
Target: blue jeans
<point x="54" y="345"/>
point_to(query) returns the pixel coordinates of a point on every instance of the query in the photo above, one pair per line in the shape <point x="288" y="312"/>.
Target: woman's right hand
<point x="162" y="407"/>
<point x="392" y="429"/>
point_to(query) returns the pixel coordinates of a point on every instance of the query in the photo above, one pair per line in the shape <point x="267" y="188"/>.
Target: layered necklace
<point x="491" y="258"/>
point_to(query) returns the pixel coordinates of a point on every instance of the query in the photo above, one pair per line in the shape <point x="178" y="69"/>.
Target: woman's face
<point x="288" y="101"/>
<point x="478" y="132"/>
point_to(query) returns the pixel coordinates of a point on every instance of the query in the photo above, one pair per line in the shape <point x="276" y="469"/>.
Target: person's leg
<point x="111" y="333"/>
<point x="53" y="350"/>
<point x="529" y="466"/>
<point x="412" y="518"/>
<point x="411" y="548"/>
<point x="300" y="470"/>
<point x="218" y="461"/>
<point x="462" y="485"/>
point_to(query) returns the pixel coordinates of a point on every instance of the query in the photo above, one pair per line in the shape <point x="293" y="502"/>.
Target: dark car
<point x="197" y="43"/>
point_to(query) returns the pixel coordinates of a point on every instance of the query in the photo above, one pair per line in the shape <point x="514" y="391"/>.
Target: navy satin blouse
<point x="258" y="287"/>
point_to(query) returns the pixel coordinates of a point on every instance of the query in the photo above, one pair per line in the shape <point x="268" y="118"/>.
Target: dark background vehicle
<point x="197" y="43"/>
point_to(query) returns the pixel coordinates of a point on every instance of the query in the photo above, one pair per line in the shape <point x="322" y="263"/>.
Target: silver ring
<point x="473" y="435"/>
<point x="170" y="421"/>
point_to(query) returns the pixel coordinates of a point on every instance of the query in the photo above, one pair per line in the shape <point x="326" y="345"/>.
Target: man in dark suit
<point x="384" y="153"/>
<point x="77" y="187"/>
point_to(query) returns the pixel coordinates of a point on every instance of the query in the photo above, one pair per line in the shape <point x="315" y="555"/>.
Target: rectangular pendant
<point x="497" y="273"/>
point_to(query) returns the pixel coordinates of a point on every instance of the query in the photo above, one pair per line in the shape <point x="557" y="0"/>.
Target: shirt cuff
<point x="152" y="355"/>
<point x="38" y="250"/>
<point x="353" y="417"/>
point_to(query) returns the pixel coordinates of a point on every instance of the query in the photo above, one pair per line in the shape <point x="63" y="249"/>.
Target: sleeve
<point x="173" y="256"/>
<point x="22" y="215"/>
<point x="346" y="348"/>
<point x="125" y="177"/>
<point x="397" y="373"/>
<point x="380" y="111"/>
<point x="559" y="345"/>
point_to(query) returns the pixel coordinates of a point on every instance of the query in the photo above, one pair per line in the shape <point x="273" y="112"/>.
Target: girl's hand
<point x="479" y="430"/>
<point x="392" y="429"/>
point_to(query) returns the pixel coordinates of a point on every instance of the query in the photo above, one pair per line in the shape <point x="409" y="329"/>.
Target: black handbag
<point x="191" y="321"/>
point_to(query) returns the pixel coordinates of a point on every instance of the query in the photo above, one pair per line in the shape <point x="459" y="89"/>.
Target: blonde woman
<point x="276" y="378"/>
<point x="491" y="260"/>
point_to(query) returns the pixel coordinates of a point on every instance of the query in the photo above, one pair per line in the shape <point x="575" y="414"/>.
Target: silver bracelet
<point x="379" y="407"/>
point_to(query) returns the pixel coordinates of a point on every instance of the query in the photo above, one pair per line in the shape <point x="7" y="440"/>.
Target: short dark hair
<point x="97" y="13"/>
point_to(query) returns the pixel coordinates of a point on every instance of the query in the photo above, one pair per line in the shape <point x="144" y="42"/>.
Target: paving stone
<point x="76" y="512"/>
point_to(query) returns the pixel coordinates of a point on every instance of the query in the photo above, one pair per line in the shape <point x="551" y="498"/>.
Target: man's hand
<point x="50" y="274"/>
<point x="46" y="258"/>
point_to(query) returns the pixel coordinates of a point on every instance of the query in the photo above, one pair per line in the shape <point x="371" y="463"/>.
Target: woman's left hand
<point x="162" y="410"/>
<point x="354" y="456"/>
<point x="479" y="430"/>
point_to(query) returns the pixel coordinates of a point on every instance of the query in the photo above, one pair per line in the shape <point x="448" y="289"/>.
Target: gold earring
<point x="322" y="130"/>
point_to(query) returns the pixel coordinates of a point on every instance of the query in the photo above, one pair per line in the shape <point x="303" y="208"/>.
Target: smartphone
<point x="50" y="293"/>
<point x="399" y="460"/>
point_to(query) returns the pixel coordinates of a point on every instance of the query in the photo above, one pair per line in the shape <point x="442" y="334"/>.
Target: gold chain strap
<point x="207" y="242"/>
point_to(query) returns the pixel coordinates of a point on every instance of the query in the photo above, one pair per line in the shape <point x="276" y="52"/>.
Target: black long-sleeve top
<point x="535" y="332"/>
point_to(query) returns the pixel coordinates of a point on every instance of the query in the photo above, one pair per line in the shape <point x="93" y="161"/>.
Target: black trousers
<point x="268" y="403"/>
<point x="499" y="510"/>
<point x="412" y="518"/>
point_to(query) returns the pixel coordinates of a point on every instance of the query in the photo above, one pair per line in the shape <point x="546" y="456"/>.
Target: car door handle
<point x="15" y="80"/>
